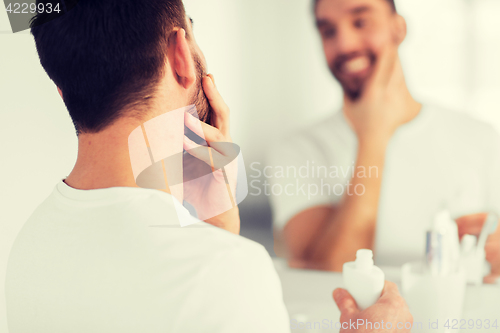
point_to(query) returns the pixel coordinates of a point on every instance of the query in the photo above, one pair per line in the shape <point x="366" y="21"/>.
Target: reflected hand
<point x="382" y="106"/>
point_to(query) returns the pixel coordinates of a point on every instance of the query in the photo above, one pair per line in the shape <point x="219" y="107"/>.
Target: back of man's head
<point x="106" y="56"/>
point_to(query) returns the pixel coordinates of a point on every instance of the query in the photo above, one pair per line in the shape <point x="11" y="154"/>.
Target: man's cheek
<point x="378" y="42"/>
<point x="330" y="52"/>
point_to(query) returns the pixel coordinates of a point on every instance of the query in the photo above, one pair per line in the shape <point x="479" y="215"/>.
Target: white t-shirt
<point x="116" y="260"/>
<point x="439" y="160"/>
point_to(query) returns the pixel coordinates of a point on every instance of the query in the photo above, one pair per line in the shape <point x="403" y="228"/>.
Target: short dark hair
<point x="107" y="56"/>
<point x="391" y="3"/>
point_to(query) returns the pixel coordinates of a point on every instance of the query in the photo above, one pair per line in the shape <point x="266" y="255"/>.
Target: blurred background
<point x="268" y="64"/>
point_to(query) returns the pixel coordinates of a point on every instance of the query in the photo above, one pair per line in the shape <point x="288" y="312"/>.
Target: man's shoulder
<point x="460" y="124"/>
<point x="149" y="216"/>
<point x="160" y="245"/>
<point x="456" y="134"/>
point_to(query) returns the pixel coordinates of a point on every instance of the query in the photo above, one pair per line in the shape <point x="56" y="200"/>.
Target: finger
<point x="221" y="110"/>
<point x="211" y="76"/>
<point x="473" y="218"/>
<point x="391" y="297"/>
<point x="206" y="154"/>
<point x="384" y="67"/>
<point x="492" y="250"/>
<point x="471" y="224"/>
<point x="213" y="95"/>
<point x="203" y="130"/>
<point x="492" y="279"/>
<point x="347" y="305"/>
<point x="390" y="291"/>
<point x="213" y="137"/>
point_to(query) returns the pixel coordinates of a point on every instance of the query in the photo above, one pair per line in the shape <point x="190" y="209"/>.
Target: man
<point x="101" y="254"/>
<point x="374" y="175"/>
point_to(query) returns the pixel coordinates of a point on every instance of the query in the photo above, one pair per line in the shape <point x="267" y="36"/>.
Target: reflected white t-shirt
<point x="441" y="159"/>
<point x="116" y="260"/>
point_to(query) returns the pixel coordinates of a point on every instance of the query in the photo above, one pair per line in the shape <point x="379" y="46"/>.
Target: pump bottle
<point x="363" y="280"/>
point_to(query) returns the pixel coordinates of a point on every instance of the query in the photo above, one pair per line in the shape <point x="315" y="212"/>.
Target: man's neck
<point x="103" y="161"/>
<point x="410" y="106"/>
<point x="104" y="158"/>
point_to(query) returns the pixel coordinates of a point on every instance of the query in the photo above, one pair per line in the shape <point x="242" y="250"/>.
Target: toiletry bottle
<point x="363" y="280"/>
<point x="443" y="245"/>
<point x="473" y="259"/>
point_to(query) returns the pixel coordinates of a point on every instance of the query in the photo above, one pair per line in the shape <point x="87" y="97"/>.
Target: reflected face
<point x="353" y="32"/>
<point x="198" y="97"/>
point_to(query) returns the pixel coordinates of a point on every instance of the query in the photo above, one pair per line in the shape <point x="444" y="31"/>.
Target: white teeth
<point x="356" y="65"/>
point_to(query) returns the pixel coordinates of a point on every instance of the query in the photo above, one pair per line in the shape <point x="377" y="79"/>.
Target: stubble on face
<point x="353" y="85"/>
<point x="199" y="99"/>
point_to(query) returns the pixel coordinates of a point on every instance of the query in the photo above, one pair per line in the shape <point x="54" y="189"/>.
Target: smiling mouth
<point x="355" y="66"/>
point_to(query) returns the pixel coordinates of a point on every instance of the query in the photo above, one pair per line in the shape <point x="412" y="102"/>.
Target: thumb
<point x="492" y="279"/>
<point x="385" y="65"/>
<point x="347" y="305"/>
<point x="383" y="71"/>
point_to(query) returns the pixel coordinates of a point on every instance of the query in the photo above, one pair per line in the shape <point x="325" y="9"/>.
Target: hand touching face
<point x="214" y="195"/>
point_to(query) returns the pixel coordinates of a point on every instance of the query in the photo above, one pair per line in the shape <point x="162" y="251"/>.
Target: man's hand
<point x="213" y="196"/>
<point x="472" y="225"/>
<point x="389" y="311"/>
<point x="384" y="103"/>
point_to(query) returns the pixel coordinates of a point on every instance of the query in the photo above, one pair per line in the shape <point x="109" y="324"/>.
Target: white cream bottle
<point x="363" y="280"/>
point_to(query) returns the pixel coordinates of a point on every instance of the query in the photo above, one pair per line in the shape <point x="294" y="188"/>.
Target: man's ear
<point x="183" y="65"/>
<point x="60" y="93"/>
<point x="400" y="29"/>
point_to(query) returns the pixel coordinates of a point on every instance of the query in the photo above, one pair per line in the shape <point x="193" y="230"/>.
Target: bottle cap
<point x="364" y="259"/>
